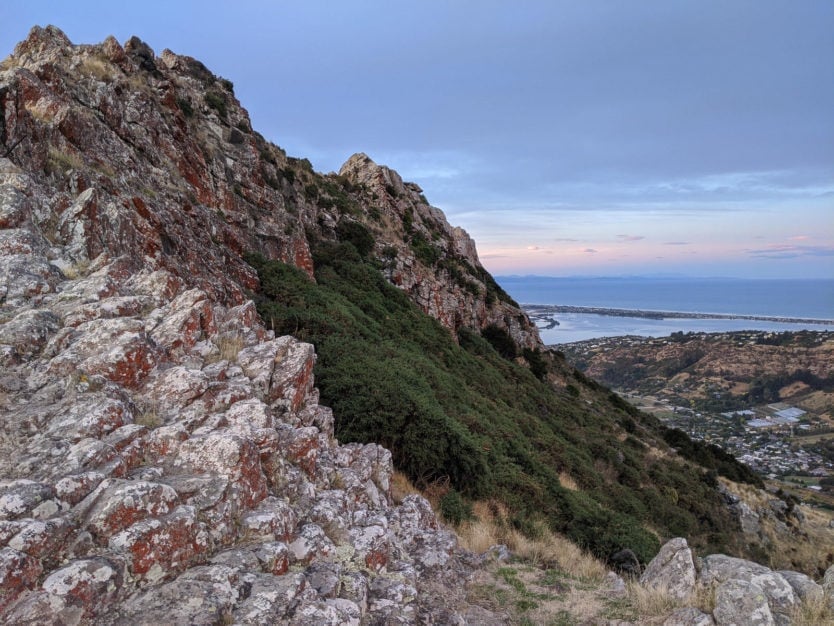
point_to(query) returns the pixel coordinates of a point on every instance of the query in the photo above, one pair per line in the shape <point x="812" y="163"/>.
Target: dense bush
<point x="185" y="106"/>
<point x="454" y="508"/>
<point x="357" y="235"/>
<point x="711" y="456"/>
<point x="500" y="339"/>
<point x="465" y="414"/>
<point x="423" y="250"/>
<point x="217" y="102"/>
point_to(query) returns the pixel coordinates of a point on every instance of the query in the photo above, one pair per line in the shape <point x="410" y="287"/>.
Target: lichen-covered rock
<point x="273" y="518"/>
<point x="802" y="584"/>
<point x="45" y="540"/>
<point x="688" y="616"/>
<point x="205" y="596"/>
<point x="741" y="602"/>
<point x="671" y="569"/>
<point x="272" y="599"/>
<point x="716" y="569"/>
<point x="88" y="584"/>
<point x="229" y="455"/>
<point x="154" y="548"/>
<point x="18" y="572"/>
<point x="117" y="503"/>
<point x="165" y="458"/>
<point x="19" y="497"/>
<point x="310" y="543"/>
<point x="828" y="586"/>
<point x="118" y="349"/>
<point x="92" y="416"/>
<point x="29" y="330"/>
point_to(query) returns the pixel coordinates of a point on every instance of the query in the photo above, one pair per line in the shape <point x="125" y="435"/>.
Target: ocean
<point x="781" y="298"/>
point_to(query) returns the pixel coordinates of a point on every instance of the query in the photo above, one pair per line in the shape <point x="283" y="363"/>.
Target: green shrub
<point x="536" y="362"/>
<point x="185" y="106"/>
<point x="500" y="339"/>
<point x="217" y="102"/>
<point x="454" y="508"/>
<point x="423" y="250"/>
<point x="356" y="234"/>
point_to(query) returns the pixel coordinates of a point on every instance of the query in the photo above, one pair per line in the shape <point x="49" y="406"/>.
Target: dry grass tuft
<point x="62" y="162"/>
<point x="8" y="63"/>
<point x="798" y="551"/>
<point x="653" y="602"/>
<point x="78" y="269"/>
<point x="149" y="417"/>
<point x="401" y="487"/>
<point x="228" y="347"/>
<point x="567" y="481"/>
<point x="546" y="549"/>
<point x="812" y="611"/>
<point x="98" y="68"/>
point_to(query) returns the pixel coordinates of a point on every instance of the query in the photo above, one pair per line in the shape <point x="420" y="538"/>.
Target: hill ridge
<point x="165" y="439"/>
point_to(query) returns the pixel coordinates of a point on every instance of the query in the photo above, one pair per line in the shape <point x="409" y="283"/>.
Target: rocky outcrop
<point x="828" y="586"/>
<point x="744" y="592"/>
<point x="164" y="456"/>
<point x="672" y="569"/>
<point x="435" y="263"/>
<point x="155" y="156"/>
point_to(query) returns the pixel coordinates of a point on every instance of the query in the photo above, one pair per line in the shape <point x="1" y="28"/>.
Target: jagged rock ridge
<point x="158" y="443"/>
<point x="154" y="155"/>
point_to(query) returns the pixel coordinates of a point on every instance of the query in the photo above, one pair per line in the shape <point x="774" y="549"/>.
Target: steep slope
<point x="157" y="435"/>
<point x="174" y="173"/>
<point x="164" y="457"/>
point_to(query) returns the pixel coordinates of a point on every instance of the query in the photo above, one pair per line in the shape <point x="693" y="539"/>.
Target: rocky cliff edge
<point x="157" y="443"/>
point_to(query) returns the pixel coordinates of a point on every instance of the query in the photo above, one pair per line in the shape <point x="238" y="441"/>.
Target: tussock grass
<point x="567" y="481"/>
<point x="812" y="611"/>
<point x="401" y="487"/>
<point x="60" y="161"/>
<point x="654" y="602"/>
<point x="98" y="68"/>
<point x="8" y="63"/>
<point x="149" y="418"/>
<point x="228" y="347"/>
<point x="78" y="269"/>
<point x="805" y="551"/>
<point x="546" y="549"/>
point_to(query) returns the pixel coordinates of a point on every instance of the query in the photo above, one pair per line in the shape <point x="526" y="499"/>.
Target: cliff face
<point x="153" y="158"/>
<point x="156" y="441"/>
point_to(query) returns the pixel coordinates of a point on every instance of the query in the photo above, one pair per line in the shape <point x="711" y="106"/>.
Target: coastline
<point x="543" y="311"/>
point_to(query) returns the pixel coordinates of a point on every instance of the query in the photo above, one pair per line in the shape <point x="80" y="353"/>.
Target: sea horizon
<point x="780" y="299"/>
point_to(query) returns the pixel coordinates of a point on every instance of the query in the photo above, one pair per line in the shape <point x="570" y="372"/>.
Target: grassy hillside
<point x="466" y="413"/>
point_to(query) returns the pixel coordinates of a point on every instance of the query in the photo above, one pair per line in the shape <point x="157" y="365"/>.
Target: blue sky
<point x="593" y="137"/>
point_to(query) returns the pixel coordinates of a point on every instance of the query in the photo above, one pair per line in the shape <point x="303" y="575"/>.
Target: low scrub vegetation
<point x="460" y="413"/>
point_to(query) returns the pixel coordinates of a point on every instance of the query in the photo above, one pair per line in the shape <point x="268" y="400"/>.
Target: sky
<point x="569" y="138"/>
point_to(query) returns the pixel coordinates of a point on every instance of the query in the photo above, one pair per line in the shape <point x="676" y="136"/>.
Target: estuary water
<point x="806" y="299"/>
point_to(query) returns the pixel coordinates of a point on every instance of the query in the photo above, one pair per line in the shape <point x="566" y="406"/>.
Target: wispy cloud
<point x="630" y="237"/>
<point x="676" y="243"/>
<point x="790" y="251"/>
<point x="590" y="251"/>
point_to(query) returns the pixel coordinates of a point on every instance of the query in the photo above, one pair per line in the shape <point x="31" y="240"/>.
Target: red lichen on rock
<point x="172" y="543"/>
<point x="18" y="572"/>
